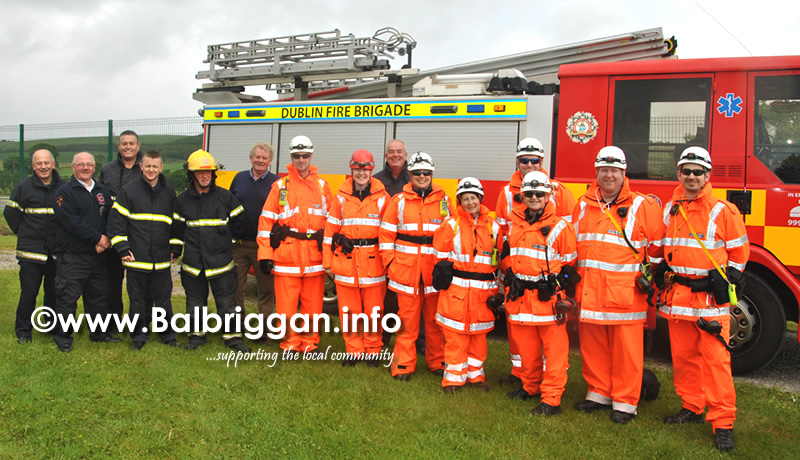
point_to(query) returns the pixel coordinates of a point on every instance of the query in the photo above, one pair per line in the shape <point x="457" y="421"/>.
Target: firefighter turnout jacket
<point x="719" y="225"/>
<point x="607" y="265"/>
<point x="561" y="198"/>
<point x="29" y="213"/>
<point x="204" y="226"/>
<point x="532" y="257"/>
<point x="359" y="221"/>
<point x="115" y="175"/>
<point x="298" y="208"/>
<point x="471" y="244"/>
<point x="141" y="221"/>
<point x="406" y="237"/>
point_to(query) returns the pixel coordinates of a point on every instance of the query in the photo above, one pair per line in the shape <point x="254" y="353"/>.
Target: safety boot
<point x="620" y="417"/>
<point x="438" y="372"/>
<point x="349" y="362"/>
<point x="589" y="406"/>
<point x="546" y="410"/>
<point x="403" y="377"/>
<point x="450" y="390"/>
<point x="241" y="347"/>
<point x="479" y="385"/>
<point x="510" y="379"/>
<point x="723" y="439"/>
<point x="684" y="416"/>
<point x="521" y="394"/>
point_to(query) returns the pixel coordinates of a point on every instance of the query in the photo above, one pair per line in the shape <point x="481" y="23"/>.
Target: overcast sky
<point x="84" y="60"/>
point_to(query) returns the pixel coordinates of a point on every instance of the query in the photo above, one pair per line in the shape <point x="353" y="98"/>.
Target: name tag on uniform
<point x="436" y="221"/>
<point x="373" y="216"/>
<point x="486" y="253"/>
<point x="317" y="206"/>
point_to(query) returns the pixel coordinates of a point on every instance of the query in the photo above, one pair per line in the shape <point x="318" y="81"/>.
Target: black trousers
<point x="223" y="287"/>
<point x="116" y="272"/>
<point x="30" y="280"/>
<point x="80" y="275"/>
<point x="142" y="286"/>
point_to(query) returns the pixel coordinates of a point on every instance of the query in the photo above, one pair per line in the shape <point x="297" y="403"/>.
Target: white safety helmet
<point x="470" y="185"/>
<point x="696" y="155"/>
<point x="530" y="146"/>
<point x="612" y="157"/>
<point x="301" y="144"/>
<point x="420" y="160"/>
<point x="536" y="181"/>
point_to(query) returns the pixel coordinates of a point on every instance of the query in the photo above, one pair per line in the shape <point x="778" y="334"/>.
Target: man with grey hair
<point x="81" y="208"/>
<point x="29" y="214"/>
<point x="394" y="175"/>
<point x="251" y="187"/>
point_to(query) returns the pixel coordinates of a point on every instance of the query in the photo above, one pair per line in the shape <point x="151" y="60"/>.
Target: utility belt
<point x="280" y="232"/>
<point x="415" y="239"/>
<point x="364" y="241"/>
<point x="695" y="284"/>
<point x="473" y="275"/>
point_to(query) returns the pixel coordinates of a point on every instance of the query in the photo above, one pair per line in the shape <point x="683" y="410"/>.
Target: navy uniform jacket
<point x="29" y="214"/>
<point x="81" y="216"/>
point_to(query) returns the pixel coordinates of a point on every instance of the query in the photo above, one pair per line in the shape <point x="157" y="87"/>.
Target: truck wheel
<point x="329" y="294"/>
<point x="758" y="325"/>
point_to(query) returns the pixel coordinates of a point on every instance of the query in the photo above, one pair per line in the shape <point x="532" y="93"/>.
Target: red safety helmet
<point x="362" y="159"/>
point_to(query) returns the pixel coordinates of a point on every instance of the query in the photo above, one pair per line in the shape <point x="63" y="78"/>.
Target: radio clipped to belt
<point x="443" y="210"/>
<point x="644" y="282"/>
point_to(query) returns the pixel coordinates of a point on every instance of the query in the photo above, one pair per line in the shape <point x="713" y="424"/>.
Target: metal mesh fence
<point x="174" y="137"/>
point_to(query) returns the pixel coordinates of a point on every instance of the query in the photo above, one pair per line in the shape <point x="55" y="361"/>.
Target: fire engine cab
<point x="745" y="111"/>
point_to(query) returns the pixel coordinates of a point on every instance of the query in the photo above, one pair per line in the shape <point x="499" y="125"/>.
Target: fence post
<point x="21" y="152"/>
<point x="110" y="139"/>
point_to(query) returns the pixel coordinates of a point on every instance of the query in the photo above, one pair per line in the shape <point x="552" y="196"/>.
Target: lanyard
<point x="694" y="234"/>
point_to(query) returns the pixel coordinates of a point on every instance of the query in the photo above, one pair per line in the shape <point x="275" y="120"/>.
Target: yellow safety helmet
<point x="200" y="160"/>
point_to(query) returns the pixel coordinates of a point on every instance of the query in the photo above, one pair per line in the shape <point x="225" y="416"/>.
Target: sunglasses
<point x="531" y="194"/>
<point x="425" y="173"/>
<point x="611" y="160"/>
<point x="297" y="156"/>
<point x="696" y="172"/>
<point x="361" y="164"/>
<point x="533" y="161"/>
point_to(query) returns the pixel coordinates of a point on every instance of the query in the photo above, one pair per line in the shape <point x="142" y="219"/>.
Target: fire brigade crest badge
<point x="582" y="127"/>
<point x="101" y="200"/>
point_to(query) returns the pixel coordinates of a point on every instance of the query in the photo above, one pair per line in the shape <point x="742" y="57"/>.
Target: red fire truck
<point x="745" y="111"/>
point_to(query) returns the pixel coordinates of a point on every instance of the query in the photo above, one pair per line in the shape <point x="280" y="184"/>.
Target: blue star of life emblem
<point x="729" y="105"/>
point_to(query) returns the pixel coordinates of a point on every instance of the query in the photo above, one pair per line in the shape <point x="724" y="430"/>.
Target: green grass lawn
<point x="106" y="401"/>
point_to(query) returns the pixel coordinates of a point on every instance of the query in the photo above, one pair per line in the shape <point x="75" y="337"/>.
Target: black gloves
<point x="266" y="266"/>
<point x="344" y="242"/>
<point x="516" y="288"/>
<point x="278" y="234"/>
<point x="442" y="274"/>
<point x="546" y="287"/>
<point x="718" y="286"/>
<point x="568" y="279"/>
<point x="736" y="277"/>
<point x="659" y="273"/>
<point x="506" y="251"/>
<point x="494" y="302"/>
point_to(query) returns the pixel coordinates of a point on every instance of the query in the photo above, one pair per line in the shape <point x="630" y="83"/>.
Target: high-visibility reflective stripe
<point x="430" y="227"/>
<point x="190" y="269"/>
<point x="486" y="260"/>
<point x="429" y="250"/>
<point x="374" y="280"/>
<point x="322" y="194"/>
<point x="406" y="249"/>
<point x="263" y="234"/>
<point x="622" y="407"/>
<point x="443" y="255"/>
<point x="474" y="362"/>
<point x="236" y="211"/>
<point x="524" y="277"/>
<point x="401" y="207"/>
<point x="739" y="267"/>
<point x="568" y="217"/>
<point x="344" y="279"/>
<point x="531" y="318"/>
<point x="269" y="215"/>
<point x="37" y="210"/>
<point x="690" y="270"/>
<point x="599" y="264"/>
<point x="176" y="216"/>
<point x="286" y="269"/>
<point x="455" y="257"/>
<point x="231" y="336"/>
<point x="141" y="215"/>
<point x="386" y="247"/>
<point x="314" y="269"/>
<point x="327" y="240"/>
<point x="389" y="227"/>
<point x="516" y="360"/>
<point x="119" y="239"/>
<point x="317" y="212"/>
<point x="409" y="227"/>
<point x="692" y="243"/>
<point x="455" y="367"/>
<point x="176" y="241"/>
<point x="527" y="252"/>
<point x="32" y="256"/>
<point x="736" y="242"/>
<point x="500" y="221"/>
<point x="207" y="223"/>
<point x="14" y="204"/>
<point x="455" y="378"/>
<point x="400" y="287"/>
<point x="334" y="220"/>
<point x="146" y="265"/>
<point x="364" y="222"/>
<point x="656" y="260"/>
<point x="509" y="199"/>
<point x="481" y="326"/>
<point x="475" y="374"/>
<point x="381" y="203"/>
<point x="567" y="258"/>
<point x="598" y="398"/>
<point x="477" y="284"/>
<point x="430" y="290"/>
<point x="610" y="238"/>
<point x="695" y="312"/>
<point x="608" y="316"/>
<point x="449" y="322"/>
<point x="217" y="271"/>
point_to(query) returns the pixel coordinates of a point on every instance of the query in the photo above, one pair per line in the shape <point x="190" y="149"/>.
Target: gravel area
<point x="783" y="372"/>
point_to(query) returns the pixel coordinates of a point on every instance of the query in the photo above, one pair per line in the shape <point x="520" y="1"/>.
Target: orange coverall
<point x="613" y="311"/>
<point x="532" y="257"/>
<point x="360" y="276"/>
<point x="701" y="365"/>
<point x="406" y="246"/>
<point x="462" y="312"/>
<point x="564" y="204"/>
<point x="299" y="276"/>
